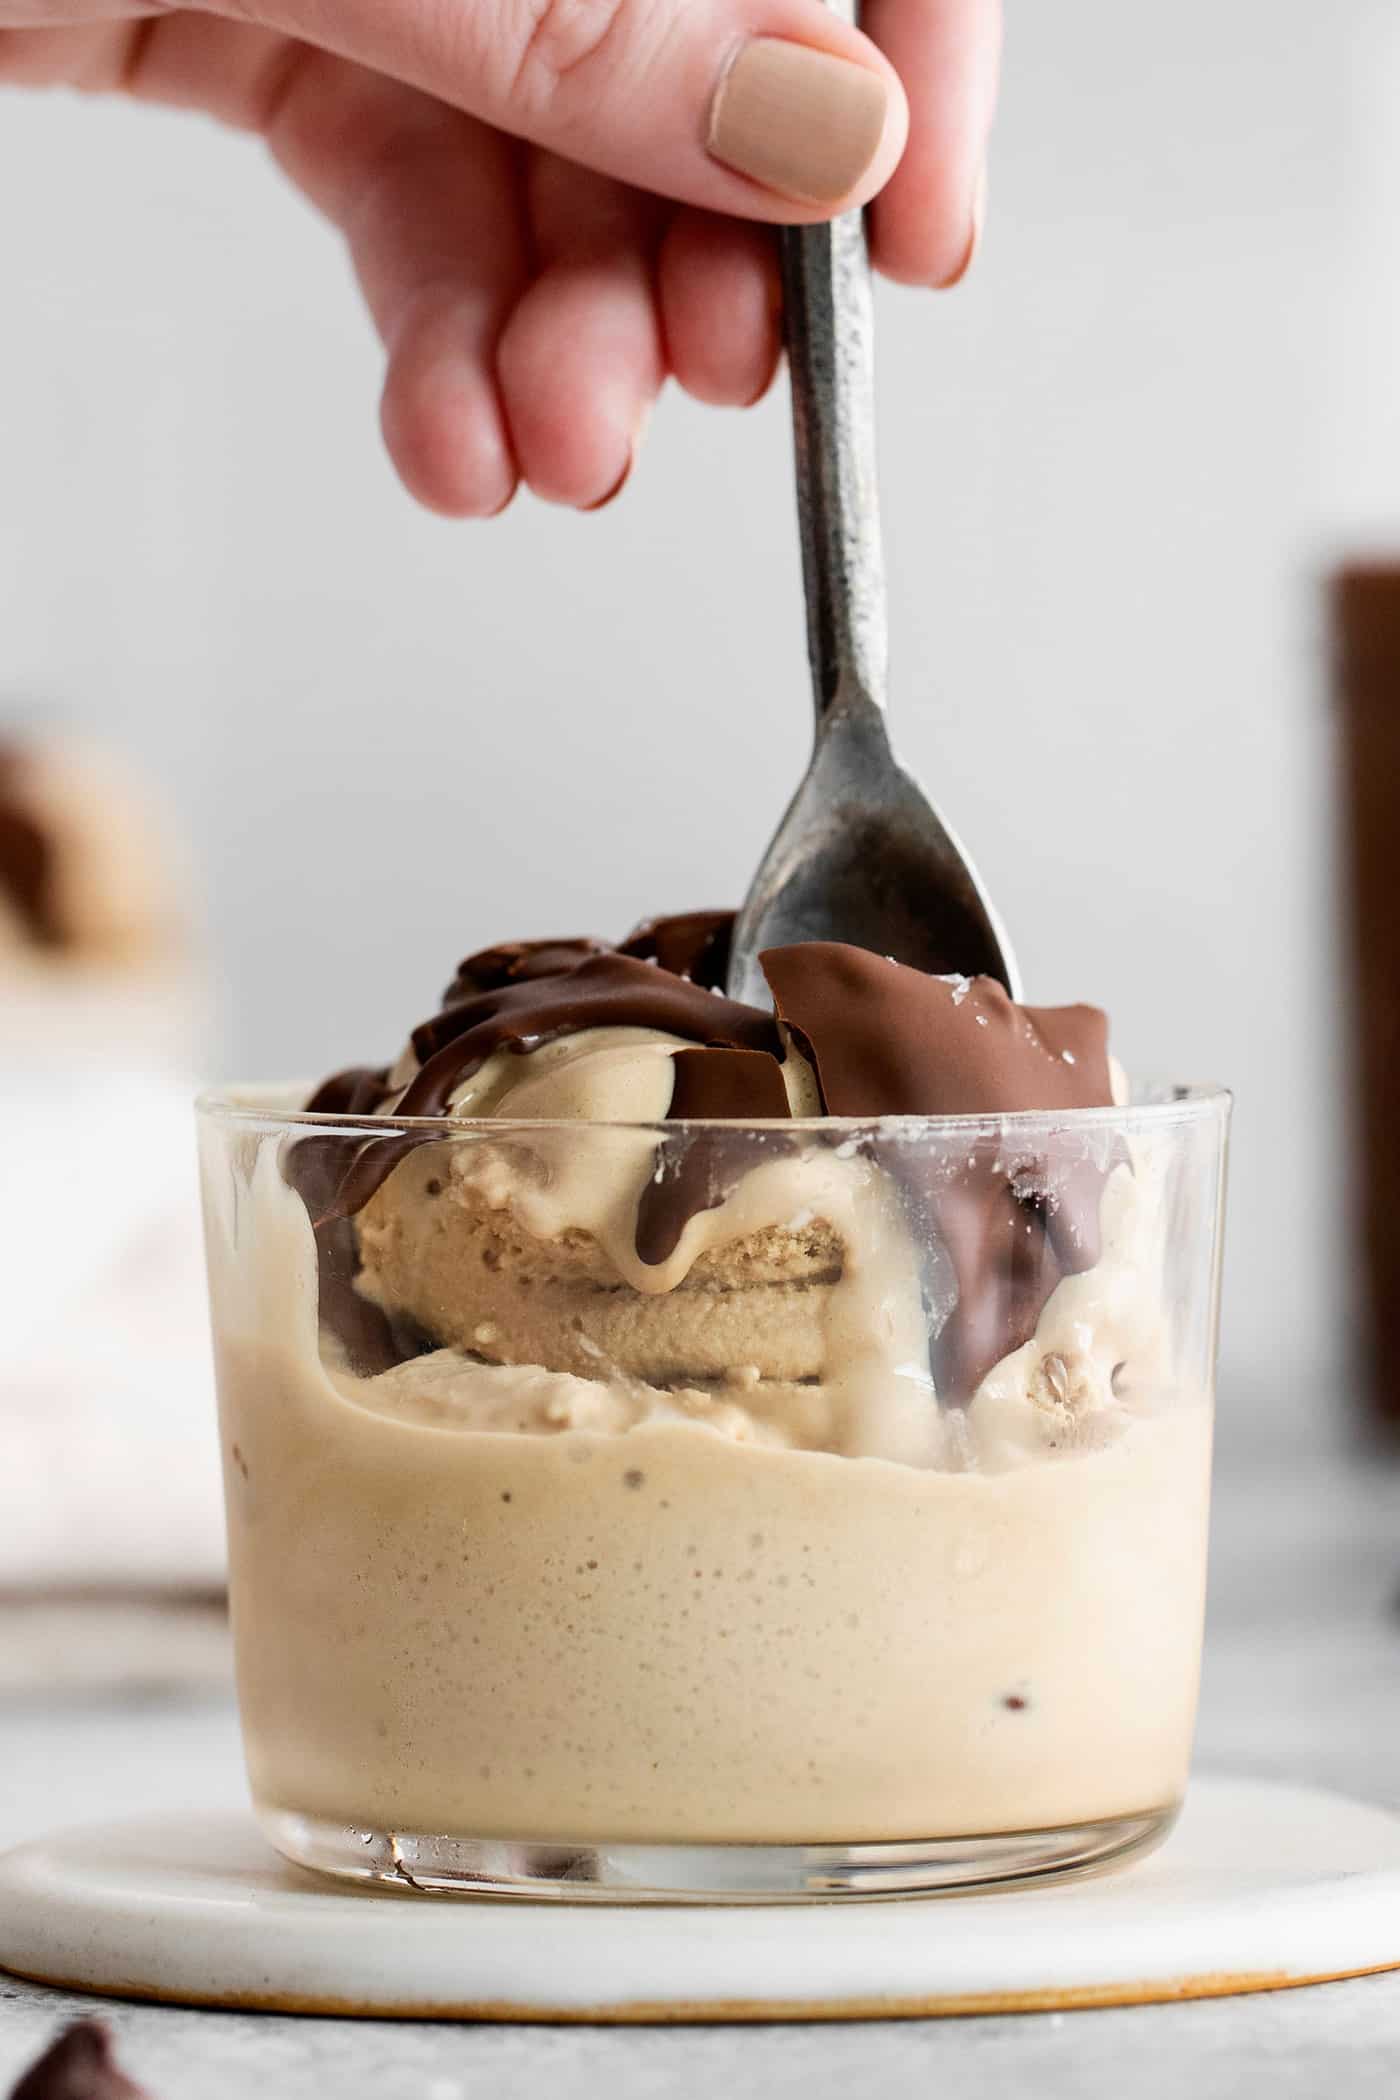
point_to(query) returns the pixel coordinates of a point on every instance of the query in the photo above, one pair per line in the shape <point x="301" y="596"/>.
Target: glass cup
<point x="716" y="1510"/>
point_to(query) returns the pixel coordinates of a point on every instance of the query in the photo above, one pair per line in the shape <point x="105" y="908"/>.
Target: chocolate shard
<point x="887" y="1040"/>
<point x="80" y="2065"/>
<point x="727" y="1086"/>
<point x="690" y="944"/>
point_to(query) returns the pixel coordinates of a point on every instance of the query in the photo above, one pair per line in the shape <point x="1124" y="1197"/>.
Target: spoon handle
<point x="829" y="326"/>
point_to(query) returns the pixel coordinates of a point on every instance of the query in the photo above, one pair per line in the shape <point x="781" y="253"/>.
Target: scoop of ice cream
<point x="688" y="1255"/>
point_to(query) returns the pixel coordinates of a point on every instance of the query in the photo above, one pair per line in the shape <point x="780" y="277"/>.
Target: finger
<point x="762" y="108"/>
<point x="90" y="56"/>
<point x="926" y="223"/>
<point x="427" y="200"/>
<point x="721" y="306"/>
<point x="441" y="413"/>
<point x="232" y="72"/>
<point x="581" y="359"/>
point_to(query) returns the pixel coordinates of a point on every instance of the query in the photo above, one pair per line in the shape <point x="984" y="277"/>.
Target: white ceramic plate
<point x="1263" y="1886"/>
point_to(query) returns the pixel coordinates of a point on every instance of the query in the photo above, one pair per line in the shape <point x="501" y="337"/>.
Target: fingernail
<point x="797" y="120"/>
<point x="974" y="239"/>
<point x="618" y="486"/>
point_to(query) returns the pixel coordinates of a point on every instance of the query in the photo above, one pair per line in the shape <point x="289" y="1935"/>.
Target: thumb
<point x="768" y="109"/>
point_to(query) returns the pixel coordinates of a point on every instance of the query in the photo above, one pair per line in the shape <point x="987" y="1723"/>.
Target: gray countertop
<point x="1302" y="1681"/>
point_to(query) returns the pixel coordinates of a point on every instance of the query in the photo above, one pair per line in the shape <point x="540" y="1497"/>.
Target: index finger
<point x="924" y="223"/>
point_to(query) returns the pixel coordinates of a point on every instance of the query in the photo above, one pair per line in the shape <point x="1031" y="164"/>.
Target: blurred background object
<point x="108" y="1476"/>
<point x="83" y="881"/>
<point x="1366" y="635"/>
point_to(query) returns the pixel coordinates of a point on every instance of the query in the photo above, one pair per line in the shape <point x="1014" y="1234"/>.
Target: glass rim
<point x="1185" y="1104"/>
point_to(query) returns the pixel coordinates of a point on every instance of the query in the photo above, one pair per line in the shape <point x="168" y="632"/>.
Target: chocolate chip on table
<point x="79" y="2066"/>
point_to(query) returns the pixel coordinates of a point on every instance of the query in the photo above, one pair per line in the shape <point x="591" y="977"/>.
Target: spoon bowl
<point x="862" y="856"/>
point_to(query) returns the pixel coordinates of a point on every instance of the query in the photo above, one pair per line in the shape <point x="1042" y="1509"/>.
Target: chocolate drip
<point x="525" y="1009"/>
<point x="26" y="857"/>
<point x="316" y="1169"/>
<point x="700" y="1170"/>
<point x="692" y="944"/>
<point x="601" y="991"/>
<point x="887" y="1040"/>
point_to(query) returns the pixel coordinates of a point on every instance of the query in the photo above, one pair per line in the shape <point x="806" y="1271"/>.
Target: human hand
<point x="554" y="205"/>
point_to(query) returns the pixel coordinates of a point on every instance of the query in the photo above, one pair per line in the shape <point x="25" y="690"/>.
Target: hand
<point x="552" y="205"/>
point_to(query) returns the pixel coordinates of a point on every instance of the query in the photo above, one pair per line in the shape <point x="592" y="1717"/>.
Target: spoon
<point x="861" y="855"/>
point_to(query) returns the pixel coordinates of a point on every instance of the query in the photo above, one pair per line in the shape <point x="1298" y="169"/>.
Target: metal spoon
<point x="862" y="855"/>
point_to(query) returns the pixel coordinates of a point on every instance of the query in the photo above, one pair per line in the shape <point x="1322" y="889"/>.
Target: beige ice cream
<point x="695" y="1548"/>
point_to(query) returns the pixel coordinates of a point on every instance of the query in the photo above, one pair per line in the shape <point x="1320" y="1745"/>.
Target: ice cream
<point x="679" y="1262"/>
<point x="671" y="1438"/>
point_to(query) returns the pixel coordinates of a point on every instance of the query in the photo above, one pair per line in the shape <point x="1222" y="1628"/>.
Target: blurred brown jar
<point x="1365" y="608"/>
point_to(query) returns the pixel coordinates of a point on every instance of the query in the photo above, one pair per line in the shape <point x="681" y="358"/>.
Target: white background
<point x="1116" y="465"/>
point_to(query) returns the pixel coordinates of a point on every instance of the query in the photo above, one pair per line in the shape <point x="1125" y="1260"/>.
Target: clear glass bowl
<point x="711" y="1510"/>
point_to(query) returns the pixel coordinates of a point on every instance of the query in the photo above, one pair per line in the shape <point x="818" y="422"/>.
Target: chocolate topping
<point x="316" y="1168"/>
<point x="743" y="1086"/>
<point x="26" y="857"/>
<point x="533" y="1001"/>
<point x="513" y="962"/>
<point x="698" y="1171"/>
<point x="693" y="944"/>
<point x="599" y="991"/>
<point x="78" y="2066"/>
<point x="514" y="998"/>
<point x="883" y="1039"/>
<point x="887" y="1040"/>
<point x="357" y="1092"/>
